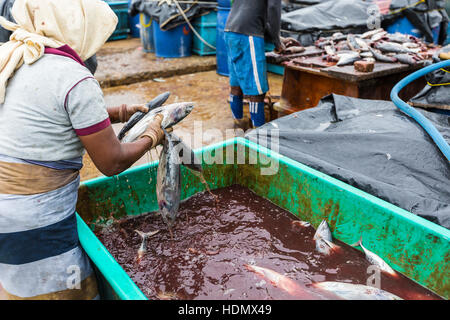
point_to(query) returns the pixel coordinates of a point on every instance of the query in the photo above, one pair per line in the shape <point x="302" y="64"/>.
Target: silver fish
<point x="366" y="54"/>
<point x="370" y="34"/>
<point x="362" y="44"/>
<point x="348" y="58"/>
<point x="381" y="57"/>
<point x="351" y="291"/>
<point x="143" y="248"/>
<point x="172" y="113"/>
<point x="392" y="47"/>
<point x="375" y="259"/>
<point x="378" y="36"/>
<point x="168" y="182"/>
<point x="352" y="43"/>
<point x="135" y="118"/>
<point x="407" y="58"/>
<point x="324" y="239"/>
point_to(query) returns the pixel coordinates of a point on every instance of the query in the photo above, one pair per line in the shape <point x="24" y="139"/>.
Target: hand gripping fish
<point x="172" y="113"/>
<point x="324" y="239"/>
<point x="376" y="260"/>
<point x="135" y="118"/>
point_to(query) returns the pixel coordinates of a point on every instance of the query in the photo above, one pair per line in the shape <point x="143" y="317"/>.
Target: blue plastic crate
<point x="120" y="8"/>
<point x="274" y="68"/>
<point x="206" y="27"/>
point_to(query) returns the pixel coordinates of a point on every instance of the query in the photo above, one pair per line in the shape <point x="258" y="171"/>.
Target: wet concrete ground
<point x="123" y="62"/>
<point x="208" y="90"/>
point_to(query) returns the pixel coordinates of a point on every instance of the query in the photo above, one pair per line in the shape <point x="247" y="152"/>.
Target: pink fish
<point x="282" y="282"/>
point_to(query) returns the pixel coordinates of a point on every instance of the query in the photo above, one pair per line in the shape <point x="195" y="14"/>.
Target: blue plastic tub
<point x="403" y="25"/>
<point x="224" y="3"/>
<point x="134" y="23"/>
<point x="221" y="49"/>
<point x="173" y="43"/>
<point x="120" y="8"/>
<point x="146" y="33"/>
<point x="206" y="26"/>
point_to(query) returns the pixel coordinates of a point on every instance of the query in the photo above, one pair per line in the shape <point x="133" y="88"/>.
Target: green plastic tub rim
<point x="126" y="289"/>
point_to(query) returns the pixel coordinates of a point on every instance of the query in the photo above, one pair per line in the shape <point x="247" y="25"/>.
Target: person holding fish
<point x="248" y="23"/>
<point x="51" y="110"/>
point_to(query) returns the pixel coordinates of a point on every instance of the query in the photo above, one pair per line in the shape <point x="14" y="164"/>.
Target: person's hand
<point x="280" y="48"/>
<point x="154" y="131"/>
<point x="290" y="42"/>
<point x="126" y="111"/>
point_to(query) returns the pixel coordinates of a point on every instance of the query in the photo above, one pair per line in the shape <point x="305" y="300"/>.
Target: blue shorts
<point x="247" y="63"/>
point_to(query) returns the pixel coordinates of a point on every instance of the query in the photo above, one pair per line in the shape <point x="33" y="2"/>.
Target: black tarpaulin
<point x="423" y="15"/>
<point x="328" y="15"/>
<point x="372" y="146"/>
<point x="437" y="93"/>
<point x="167" y="14"/>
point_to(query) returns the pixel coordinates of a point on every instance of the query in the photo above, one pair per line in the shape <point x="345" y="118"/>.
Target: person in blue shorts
<point x="249" y="23"/>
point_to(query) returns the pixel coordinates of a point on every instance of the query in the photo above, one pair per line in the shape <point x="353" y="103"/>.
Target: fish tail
<point x="142" y="234"/>
<point x="357" y="244"/>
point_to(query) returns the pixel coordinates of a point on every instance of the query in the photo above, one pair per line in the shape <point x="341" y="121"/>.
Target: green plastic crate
<point x="412" y="245"/>
<point x="120" y="8"/>
<point x="206" y="26"/>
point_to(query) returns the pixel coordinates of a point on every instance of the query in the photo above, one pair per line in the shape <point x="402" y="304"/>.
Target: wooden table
<point x="305" y="84"/>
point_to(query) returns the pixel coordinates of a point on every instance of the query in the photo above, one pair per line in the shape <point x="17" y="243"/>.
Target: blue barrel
<point x="403" y="25"/>
<point x="173" y="43"/>
<point x="224" y="3"/>
<point x="221" y="49"/>
<point x="146" y="33"/>
<point x="134" y="23"/>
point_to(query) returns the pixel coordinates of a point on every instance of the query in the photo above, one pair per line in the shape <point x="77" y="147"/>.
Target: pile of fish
<point x="328" y="289"/>
<point x="374" y="45"/>
<point x="174" y="154"/>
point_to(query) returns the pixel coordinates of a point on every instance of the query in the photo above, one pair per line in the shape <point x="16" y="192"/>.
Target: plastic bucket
<point x="221" y="49"/>
<point x="224" y="3"/>
<point x="403" y="25"/>
<point x="134" y="23"/>
<point x="146" y="33"/>
<point x="173" y="43"/>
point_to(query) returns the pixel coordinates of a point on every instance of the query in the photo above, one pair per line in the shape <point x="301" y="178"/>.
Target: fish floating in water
<point x="135" y="118"/>
<point x="280" y="281"/>
<point x="324" y="239"/>
<point x="172" y="113"/>
<point x="376" y="260"/>
<point x="350" y="291"/>
<point x="143" y="248"/>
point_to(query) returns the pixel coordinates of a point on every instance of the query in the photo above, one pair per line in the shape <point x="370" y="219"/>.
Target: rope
<point x="407" y="7"/>
<point x="438" y="84"/>
<point x="141" y="19"/>
<point x="190" y="25"/>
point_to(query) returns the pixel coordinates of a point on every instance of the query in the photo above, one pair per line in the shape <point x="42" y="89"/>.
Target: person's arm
<point x="274" y="23"/>
<point x="112" y="157"/>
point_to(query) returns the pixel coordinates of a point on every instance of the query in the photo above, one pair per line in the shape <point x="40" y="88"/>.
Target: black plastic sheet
<point x="372" y="146"/>
<point x="168" y="15"/>
<point x="325" y="18"/>
<point x="424" y="16"/>
<point x="5" y="11"/>
<point x="437" y="95"/>
<point x="329" y="15"/>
